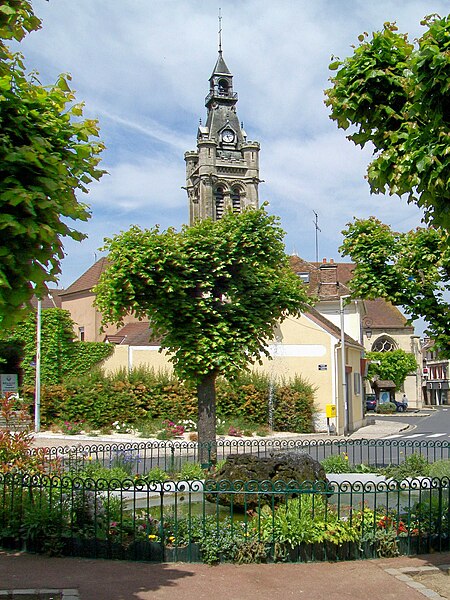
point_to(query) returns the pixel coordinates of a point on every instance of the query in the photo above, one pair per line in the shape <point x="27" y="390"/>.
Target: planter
<point x="144" y="550"/>
<point x="189" y="553"/>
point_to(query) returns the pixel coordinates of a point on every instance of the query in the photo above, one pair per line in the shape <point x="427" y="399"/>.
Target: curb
<point x="405" y="574"/>
<point x="43" y="594"/>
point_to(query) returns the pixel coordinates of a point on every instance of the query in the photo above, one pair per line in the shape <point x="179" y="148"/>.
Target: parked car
<point x="371" y="402"/>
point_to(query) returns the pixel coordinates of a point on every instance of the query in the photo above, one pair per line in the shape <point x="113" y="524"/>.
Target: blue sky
<point x="142" y="69"/>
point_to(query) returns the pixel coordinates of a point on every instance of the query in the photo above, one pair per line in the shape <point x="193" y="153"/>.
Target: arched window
<point x="218" y="195"/>
<point x="223" y="87"/>
<point x="384" y="344"/>
<point x="236" y="200"/>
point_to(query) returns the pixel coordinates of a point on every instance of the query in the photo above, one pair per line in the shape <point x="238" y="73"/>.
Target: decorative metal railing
<point x="170" y="455"/>
<point x="212" y="520"/>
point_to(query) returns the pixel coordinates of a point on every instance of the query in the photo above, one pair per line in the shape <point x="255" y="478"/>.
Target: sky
<point x="142" y="68"/>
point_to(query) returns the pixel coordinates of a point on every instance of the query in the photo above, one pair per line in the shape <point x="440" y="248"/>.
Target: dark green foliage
<point x="100" y="399"/>
<point x="294" y="406"/>
<point x="387" y="408"/>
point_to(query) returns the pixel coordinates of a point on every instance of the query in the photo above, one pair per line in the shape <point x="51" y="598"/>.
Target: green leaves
<point x="394" y="366"/>
<point x="397" y="96"/>
<point x="45" y="158"/>
<point x="214" y="291"/>
<point x="411" y="270"/>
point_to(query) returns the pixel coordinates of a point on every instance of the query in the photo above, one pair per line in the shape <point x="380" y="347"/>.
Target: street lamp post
<point x="343" y="372"/>
<point x="37" y="387"/>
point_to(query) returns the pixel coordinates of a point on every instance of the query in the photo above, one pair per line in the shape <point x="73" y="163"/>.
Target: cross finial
<point x="220" y="31"/>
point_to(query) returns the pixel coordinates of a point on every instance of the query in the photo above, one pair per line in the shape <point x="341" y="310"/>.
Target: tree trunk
<point x="206" y="427"/>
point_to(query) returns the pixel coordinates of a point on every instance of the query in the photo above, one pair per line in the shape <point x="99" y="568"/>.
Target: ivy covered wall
<point x="61" y="356"/>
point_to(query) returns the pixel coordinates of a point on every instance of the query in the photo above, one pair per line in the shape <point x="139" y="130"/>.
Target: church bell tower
<point x="223" y="173"/>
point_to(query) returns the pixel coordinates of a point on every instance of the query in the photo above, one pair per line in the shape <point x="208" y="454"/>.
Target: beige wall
<point x="301" y="345"/>
<point x="84" y="314"/>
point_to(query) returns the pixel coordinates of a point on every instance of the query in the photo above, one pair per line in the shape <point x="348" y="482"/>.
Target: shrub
<point x="414" y="465"/>
<point x="192" y="471"/>
<point x="440" y="469"/>
<point x="100" y="399"/>
<point x="337" y="463"/>
<point x="15" y="446"/>
<point x="387" y="408"/>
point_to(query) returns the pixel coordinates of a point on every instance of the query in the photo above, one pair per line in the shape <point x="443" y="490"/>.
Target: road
<point x="435" y="427"/>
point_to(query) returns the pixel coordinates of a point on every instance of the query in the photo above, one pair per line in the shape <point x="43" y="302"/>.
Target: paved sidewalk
<point x="116" y="580"/>
<point x="381" y="428"/>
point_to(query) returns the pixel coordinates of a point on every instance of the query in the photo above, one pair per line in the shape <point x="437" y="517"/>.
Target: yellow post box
<point x="330" y="410"/>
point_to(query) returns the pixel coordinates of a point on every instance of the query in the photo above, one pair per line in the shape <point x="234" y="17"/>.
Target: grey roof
<point x="220" y="68"/>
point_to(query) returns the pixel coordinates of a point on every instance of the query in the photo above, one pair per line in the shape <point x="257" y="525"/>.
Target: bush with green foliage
<point x="414" y="465"/>
<point x="440" y="469"/>
<point x="337" y="463"/>
<point x="388" y="408"/>
<point x="99" y="399"/>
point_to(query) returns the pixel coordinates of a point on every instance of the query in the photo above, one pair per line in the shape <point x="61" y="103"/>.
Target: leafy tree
<point x="46" y="155"/>
<point x="397" y="95"/>
<point x="61" y="356"/>
<point x="394" y="365"/>
<point x="411" y="270"/>
<point x="214" y="291"/>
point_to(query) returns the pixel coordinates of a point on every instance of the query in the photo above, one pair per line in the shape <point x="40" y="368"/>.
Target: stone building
<point x="223" y="173"/>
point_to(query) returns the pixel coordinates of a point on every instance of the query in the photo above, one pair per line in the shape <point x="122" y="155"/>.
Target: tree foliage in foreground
<point x="397" y="96"/>
<point x="47" y="154"/>
<point x="394" y="366"/>
<point x="410" y="269"/>
<point x="213" y="291"/>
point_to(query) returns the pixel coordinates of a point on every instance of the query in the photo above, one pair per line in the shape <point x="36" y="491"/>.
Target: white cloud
<point x="143" y="68"/>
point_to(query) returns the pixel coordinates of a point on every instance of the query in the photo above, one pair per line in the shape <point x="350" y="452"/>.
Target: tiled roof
<point x="381" y="314"/>
<point x="134" y="334"/>
<point x="89" y="278"/>
<point x="47" y="301"/>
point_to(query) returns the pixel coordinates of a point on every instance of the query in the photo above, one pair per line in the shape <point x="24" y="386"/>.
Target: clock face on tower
<point x="228" y="136"/>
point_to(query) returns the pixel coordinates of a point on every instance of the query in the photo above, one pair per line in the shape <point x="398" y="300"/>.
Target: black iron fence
<point x="170" y="455"/>
<point x="224" y="520"/>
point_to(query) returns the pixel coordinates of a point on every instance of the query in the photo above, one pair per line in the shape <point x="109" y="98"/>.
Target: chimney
<point x="328" y="286"/>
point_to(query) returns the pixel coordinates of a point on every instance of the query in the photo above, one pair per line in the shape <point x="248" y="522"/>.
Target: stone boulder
<point x="246" y="472"/>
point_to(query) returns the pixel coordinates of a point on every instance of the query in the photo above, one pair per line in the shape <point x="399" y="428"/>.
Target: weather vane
<point x="220" y="31"/>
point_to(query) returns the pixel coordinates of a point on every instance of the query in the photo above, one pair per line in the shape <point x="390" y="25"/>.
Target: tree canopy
<point x="47" y="154"/>
<point x="410" y="269"/>
<point x="394" y="366"/>
<point x="213" y="291"/>
<point x="397" y="96"/>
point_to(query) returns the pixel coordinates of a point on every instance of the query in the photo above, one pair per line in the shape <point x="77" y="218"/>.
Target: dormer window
<point x="304" y="276"/>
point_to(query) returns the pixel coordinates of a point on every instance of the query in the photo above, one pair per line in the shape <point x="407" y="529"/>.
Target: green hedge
<point x="100" y="399"/>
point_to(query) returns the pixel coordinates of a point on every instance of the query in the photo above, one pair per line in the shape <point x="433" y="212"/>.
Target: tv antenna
<point x="317" y="229"/>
